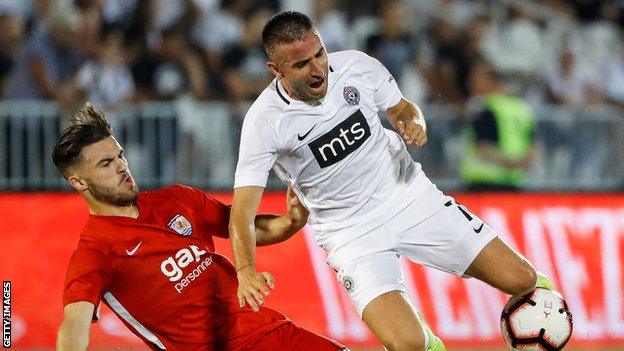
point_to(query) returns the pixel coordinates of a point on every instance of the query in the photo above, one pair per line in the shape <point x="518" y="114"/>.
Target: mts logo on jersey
<point x="342" y="140"/>
<point x="173" y="266"/>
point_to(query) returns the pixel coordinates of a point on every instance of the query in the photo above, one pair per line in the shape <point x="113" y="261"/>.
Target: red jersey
<point x="160" y="275"/>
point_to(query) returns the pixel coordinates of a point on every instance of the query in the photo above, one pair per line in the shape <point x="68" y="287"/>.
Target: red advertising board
<point x="578" y="240"/>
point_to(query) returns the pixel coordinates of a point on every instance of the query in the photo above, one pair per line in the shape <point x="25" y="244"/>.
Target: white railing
<point x="196" y="143"/>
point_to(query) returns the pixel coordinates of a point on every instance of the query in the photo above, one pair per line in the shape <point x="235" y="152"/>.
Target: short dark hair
<point x="285" y="27"/>
<point x="87" y="126"/>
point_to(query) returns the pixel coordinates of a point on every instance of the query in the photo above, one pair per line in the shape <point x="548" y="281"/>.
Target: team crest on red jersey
<point x="180" y="225"/>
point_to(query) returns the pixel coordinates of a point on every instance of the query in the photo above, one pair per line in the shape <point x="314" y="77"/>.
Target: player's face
<point x="105" y="174"/>
<point x="303" y="67"/>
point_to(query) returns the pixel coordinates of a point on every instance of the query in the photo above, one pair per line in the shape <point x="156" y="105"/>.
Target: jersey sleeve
<point x="213" y="214"/>
<point x="257" y="152"/>
<point x="216" y="215"/>
<point x="387" y="92"/>
<point x="87" y="276"/>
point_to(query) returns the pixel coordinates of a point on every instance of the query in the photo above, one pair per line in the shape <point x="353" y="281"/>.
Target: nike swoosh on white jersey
<point x="130" y="253"/>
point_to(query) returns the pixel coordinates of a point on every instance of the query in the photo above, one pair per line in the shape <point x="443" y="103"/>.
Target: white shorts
<point x="449" y="240"/>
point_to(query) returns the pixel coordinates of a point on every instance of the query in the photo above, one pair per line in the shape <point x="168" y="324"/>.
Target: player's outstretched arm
<point x="408" y="120"/>
<point x="273" y="229"/>
<point x="74" y="331"/>
<point x="252" y="286"/>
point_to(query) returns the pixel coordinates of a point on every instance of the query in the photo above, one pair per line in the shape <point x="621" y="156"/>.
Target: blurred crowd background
<point x="176" y="77"/>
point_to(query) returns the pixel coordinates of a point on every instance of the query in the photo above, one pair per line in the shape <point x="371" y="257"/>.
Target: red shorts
<point x="289" y="337"/>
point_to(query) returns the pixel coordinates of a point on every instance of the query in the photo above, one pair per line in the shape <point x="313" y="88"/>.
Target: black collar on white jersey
<point x="279" y="92"/>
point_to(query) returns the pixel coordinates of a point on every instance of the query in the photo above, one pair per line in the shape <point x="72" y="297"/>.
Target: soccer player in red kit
<point x="151" y="258"/>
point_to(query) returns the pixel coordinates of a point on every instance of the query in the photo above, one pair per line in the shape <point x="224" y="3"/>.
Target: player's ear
<point x="77" y="183"/>
<point x="274" y="69"/>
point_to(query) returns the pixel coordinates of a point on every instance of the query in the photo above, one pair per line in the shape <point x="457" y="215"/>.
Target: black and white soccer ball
<point x="537" y="321"/>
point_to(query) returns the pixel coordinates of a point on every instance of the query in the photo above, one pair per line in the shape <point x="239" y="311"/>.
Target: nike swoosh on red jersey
<point x="131" y="252"/>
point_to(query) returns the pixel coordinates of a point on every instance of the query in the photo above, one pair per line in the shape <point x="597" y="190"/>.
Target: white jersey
<point x="347" y="169"/>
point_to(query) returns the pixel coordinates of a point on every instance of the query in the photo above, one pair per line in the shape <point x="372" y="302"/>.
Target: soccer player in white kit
<point x="317" y="126"/>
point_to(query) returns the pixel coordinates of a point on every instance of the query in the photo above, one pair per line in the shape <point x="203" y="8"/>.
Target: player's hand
<point x="413" y="132"/>
<point x="253" y="287"/>
<point x="297" y="212"/>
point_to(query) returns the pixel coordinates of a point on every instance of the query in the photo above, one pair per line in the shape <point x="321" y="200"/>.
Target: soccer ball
<point x="537" y="321"/>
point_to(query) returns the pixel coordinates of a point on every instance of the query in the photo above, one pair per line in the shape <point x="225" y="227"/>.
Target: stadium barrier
<point x="196" y="143"/>
<point x="576" y="239"/>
